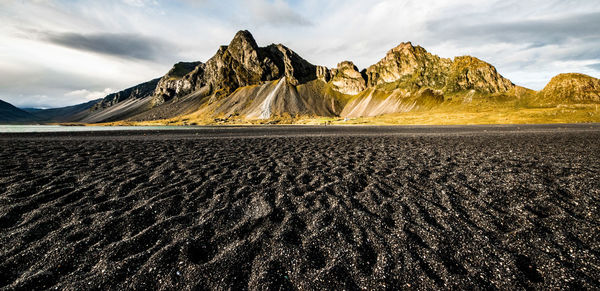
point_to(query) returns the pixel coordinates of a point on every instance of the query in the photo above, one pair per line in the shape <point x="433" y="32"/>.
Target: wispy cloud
<point x="89" y="95"/>
<point x="595" y="66"/>
<point x="115" y="44"/>
<point x="276" y="12"/>
<point x="537" y="32"/>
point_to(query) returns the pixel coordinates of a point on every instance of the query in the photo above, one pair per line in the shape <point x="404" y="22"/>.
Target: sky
<point x="62" y="52"/>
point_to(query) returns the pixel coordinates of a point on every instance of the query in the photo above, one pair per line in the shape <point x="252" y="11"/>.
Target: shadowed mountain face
<point x="249" y="82"/>
<point x="62" y="114"/>
<point x="10" y="113"/>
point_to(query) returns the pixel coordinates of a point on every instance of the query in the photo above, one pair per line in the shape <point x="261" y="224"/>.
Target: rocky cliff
<point x="177" y="82"/>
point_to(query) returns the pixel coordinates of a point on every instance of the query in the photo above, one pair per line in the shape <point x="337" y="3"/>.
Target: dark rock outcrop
<point x="176" y="82"/>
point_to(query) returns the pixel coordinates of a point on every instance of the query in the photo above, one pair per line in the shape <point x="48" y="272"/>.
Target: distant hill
<point x="74" y="113"/>
<point x="12" y="114"/>
<point x="62" y="114"/>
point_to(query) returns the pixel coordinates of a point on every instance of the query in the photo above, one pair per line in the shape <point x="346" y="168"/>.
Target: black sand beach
<point x="498" y="207"/>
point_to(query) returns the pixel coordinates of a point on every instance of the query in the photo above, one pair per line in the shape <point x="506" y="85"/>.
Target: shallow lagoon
<point x="62" y="128"/>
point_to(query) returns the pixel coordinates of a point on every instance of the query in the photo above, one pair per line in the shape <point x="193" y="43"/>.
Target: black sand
<point x="302" y="207"/>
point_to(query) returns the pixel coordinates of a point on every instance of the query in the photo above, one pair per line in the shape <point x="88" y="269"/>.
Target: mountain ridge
<point x="242" y="81"/>
<point x="241" y="64"/>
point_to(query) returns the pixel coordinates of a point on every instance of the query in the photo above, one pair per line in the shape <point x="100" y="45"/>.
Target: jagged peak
<point x="404" y="46"/>
<point x="407" y="47"/>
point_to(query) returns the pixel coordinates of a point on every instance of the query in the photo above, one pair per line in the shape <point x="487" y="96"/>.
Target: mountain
<point x="571" y="88"/>
<point x="409" y="78"/>
<point x="121" y="105"/>
<point x="62" y="114"/>
<point x="241" y="73"/>
<point x="12" y="114"/>
<point x="243" y="82"/>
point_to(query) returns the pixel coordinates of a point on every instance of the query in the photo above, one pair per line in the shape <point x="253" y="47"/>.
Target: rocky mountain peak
<point x="243" y="48"/>
<point x="347" y="65"/>
<point x="241" y="63"/>
<point x="412" y="67"/>
<point x="470" y="73"/>
<point x="410" y="63"/>
<point x="403" y="47"/>
<point x="244" y="38"/>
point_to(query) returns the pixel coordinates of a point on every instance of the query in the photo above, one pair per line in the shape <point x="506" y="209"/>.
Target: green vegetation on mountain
<point x="570" y="88"/>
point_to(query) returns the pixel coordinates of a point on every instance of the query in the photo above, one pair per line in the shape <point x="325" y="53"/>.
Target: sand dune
<point x="302" y="207"/>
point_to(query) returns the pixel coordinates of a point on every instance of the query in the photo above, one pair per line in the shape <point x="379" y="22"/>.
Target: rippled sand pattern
<point x="195" y="211"/>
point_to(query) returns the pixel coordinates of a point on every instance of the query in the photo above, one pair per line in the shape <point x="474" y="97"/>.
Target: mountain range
<point x="243" y="82"/>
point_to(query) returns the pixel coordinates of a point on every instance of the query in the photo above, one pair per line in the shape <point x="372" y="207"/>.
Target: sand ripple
<point x="499" y="210"/>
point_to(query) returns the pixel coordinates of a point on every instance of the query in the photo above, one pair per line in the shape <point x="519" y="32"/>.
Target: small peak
<point x="347" y="65"/>
<point x="243" y="37"/>
<point x="404" y="46"/>
<point x="407" y="48"/>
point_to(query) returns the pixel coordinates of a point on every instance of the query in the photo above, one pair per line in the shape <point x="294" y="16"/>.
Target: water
<point x="61" y="128"/>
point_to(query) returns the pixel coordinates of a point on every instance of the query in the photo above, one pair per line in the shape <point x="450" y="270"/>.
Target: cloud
<point x="537" y="33"/>
<point x="595" y="66"/>
<point x="90" y="95"/>
<point x="275" y="12"/>
<point x="124" y="45"/>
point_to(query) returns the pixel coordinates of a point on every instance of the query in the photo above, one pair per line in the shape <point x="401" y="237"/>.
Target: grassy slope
<point x="449" y="113"/>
